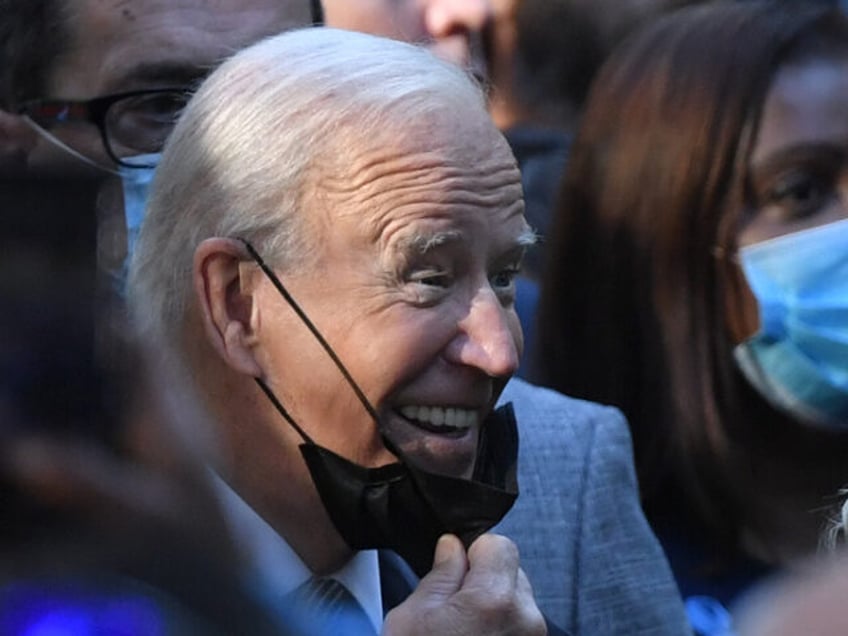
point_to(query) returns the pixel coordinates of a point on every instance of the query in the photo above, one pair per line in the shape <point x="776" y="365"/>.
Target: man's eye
<point x="505" y="278"/>
<point x="159" y="112"/>
<point x="146" y="114"/>
<point x="431" y="278"/>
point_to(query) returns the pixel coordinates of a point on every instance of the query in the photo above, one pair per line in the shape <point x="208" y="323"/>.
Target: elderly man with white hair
<point x="328" y="261"/>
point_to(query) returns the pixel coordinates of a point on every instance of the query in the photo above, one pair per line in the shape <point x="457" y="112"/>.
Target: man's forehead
<point x="118" y="45"/>
<point x="447" y="130"/>
<point x="222" y="16"/>
<point x="449" y="152"/>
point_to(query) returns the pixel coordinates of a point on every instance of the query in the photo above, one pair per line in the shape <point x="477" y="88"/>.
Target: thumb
<point x="434" y="592"/>
<point x="450" y="564"/>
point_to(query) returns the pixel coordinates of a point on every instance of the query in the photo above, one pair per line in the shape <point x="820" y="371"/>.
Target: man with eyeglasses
<point x="96" y="86"/>
<point x="94" y="83"/>
<point x="101" y="83"/>
<point x="132" y="124"/>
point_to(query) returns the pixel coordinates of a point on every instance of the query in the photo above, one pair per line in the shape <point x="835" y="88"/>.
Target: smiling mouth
<point x="439" y="439"/>
<point x="449" y="421"/>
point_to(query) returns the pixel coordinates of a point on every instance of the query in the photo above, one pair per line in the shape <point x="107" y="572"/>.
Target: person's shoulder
<point x="576" y="432"/>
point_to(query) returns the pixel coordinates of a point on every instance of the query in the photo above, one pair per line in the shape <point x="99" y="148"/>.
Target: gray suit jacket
<point x="595" y="566"/>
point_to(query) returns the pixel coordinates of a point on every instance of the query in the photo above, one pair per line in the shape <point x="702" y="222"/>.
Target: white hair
<point x="243" y="159"/>
<point x="836" y="531"/>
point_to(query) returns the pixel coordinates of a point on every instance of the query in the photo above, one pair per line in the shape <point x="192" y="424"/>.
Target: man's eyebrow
<point x="423" y="243"/>
<point x="528" y="238"/>
<point x="163" y="74"/>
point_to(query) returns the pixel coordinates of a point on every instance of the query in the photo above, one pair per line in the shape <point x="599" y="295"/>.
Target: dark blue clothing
<point x="526" y="302"/>
<point x="541" y="154"/>
<point x="703" y="573"/>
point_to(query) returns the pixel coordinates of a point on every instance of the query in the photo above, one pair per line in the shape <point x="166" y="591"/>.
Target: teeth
<point x="439" y="416"/>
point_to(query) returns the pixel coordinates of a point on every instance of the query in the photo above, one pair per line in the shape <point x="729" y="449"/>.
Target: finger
<point x="431" y="599"/>
<point x="524" y="589"/>
<point x="527" y="602"/>
<point x="493" y="566"/>
<point x="450" y="565"/>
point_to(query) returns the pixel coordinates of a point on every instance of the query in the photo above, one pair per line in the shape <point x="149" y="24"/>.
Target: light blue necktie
<point x="326" y="607"/>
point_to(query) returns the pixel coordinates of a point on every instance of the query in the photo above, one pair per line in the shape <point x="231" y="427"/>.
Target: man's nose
<point x="489" y="337"/>
<point x="445" y="18"/>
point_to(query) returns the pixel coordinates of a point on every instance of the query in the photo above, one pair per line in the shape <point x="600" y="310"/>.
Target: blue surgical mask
<point x="798" y="360"/>
<point x="136" y="185"/>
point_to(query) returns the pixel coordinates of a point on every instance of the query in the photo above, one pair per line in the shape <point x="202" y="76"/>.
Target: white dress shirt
<point x="274" y="569"/>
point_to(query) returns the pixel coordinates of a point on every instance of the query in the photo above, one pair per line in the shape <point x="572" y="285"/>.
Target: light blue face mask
<point x="136" y="186"/>
<point x="798" y="360"/>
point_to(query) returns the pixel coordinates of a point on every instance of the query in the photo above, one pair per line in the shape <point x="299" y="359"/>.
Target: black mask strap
<point x="282" y="410"/>
<point x="324" y="344"/>
<point x="317" y="12"/>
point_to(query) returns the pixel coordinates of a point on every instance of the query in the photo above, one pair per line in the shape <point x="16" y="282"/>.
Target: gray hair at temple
<point x="256" y="142"/>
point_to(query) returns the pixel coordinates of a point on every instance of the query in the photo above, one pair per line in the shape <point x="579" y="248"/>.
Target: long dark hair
<point x="634" y="302"/>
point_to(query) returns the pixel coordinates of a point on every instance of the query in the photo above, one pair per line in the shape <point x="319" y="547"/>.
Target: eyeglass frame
<point x="92" y="111"/>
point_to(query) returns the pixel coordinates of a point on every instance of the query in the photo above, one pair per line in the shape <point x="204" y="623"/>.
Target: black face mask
<point x="399" y="506"/>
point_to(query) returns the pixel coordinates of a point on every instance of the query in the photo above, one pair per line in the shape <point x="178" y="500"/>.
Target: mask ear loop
<point x="324" y="344"/>
<point x="61" y="144"/>
<point x="282" y="410"/>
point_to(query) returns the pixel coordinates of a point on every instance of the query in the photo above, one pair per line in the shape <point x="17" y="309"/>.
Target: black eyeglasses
<point x="131" y="123"/>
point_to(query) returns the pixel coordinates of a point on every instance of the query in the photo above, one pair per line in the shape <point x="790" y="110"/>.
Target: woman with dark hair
<point x="707" y="134"/>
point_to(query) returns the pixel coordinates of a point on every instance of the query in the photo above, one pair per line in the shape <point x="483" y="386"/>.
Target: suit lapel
<point x="397" y="580"/>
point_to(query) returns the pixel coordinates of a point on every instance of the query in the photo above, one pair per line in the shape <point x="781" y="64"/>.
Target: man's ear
<point x="225" y="293"/>
<point x="17" y="139"/>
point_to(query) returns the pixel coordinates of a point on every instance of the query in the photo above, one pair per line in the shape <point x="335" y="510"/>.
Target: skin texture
<point x="119" y="46"/>
<point x="436" y="328"/>
<point x="798" y="166"/>
<point x="450" y="28"/>
<point x="488" y="578"/>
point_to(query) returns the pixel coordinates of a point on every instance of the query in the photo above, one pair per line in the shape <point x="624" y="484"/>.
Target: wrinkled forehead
<point x="442" y="166"/>
<point x="449" y="132"/>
